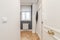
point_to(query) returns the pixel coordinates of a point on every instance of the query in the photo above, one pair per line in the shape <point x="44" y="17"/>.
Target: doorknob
<point x="51" y="32"/>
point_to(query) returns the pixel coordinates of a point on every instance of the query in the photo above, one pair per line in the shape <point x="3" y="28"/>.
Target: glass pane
<point x="23" y="16"/>
<point x="28" y="16"/>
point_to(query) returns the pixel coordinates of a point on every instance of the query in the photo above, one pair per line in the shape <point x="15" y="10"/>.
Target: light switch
<point x="4" y="19"/>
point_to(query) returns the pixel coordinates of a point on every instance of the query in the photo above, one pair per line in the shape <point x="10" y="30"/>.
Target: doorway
<point x="26" y="17"/>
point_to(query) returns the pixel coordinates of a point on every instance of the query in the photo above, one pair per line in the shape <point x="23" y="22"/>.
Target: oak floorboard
<point x="28" y="35"/>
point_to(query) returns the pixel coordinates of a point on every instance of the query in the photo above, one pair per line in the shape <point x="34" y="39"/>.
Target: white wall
<point x="28" y="1"/>
<point x="51" y="17"/>
<point x="11" y="10"/>
<point x="34" y="18"/>
<point x="39" y="26"/>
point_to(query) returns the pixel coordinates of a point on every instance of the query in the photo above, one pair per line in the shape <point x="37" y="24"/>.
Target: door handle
<point x="51" y="32"/>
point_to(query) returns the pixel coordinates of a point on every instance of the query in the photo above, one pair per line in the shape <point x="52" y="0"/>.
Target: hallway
<point x="29" y="19"/>
<point x="28" y="35"/>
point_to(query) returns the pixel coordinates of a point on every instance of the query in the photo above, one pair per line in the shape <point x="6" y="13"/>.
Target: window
<point x="25" y="13"/>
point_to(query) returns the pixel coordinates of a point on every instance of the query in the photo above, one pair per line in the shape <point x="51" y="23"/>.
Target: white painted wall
<point x="39" y="26"/>
<point x="51" y="17"/>
<point x="34" y="18"/>
<point x="11" y="10"/>
<point x="28" y="1"/>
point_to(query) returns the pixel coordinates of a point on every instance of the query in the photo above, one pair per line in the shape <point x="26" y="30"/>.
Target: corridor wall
<point x="9" y="19"/>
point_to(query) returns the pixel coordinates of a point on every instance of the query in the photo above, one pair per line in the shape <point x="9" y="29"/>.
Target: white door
<point x="51" y="19"/>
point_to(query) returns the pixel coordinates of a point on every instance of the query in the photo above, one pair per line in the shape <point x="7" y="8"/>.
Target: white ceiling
<point x="28" y="1"/>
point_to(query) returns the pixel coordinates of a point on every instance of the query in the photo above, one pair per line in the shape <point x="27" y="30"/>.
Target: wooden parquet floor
<point x="28" y="35"/>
